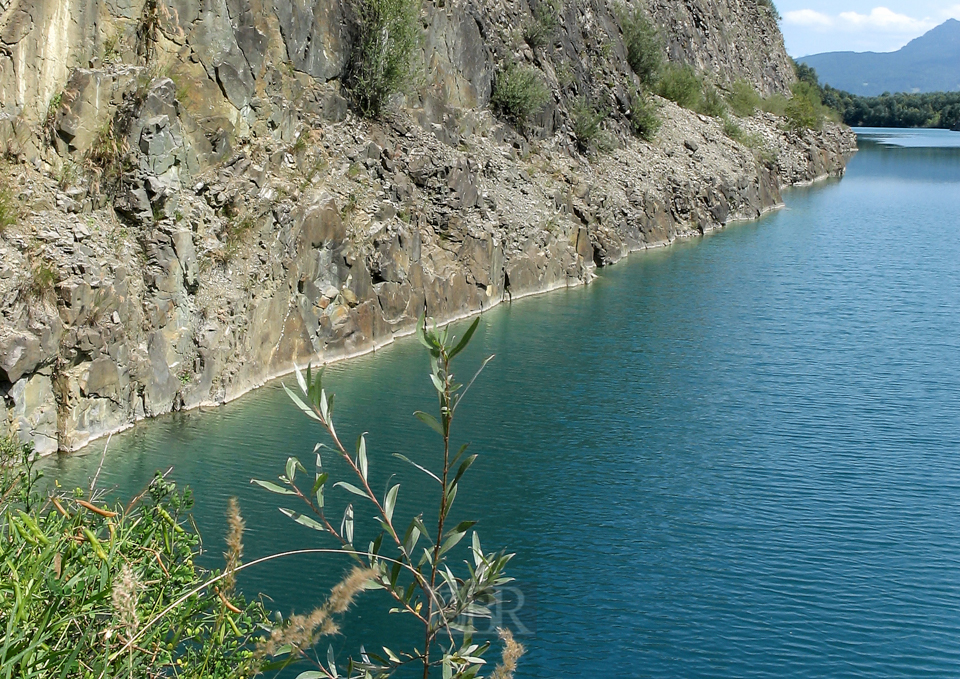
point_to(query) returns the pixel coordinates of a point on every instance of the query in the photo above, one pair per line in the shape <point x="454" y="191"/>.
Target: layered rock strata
<point x="198" y="207"/>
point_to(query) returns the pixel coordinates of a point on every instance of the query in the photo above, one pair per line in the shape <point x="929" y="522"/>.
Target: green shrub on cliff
<point x="8" y="209"/>
<point x="680" y="84"/>
<point x="805" y="110"/>
<point x="743" y="99"/>
<point x="542" y="27"/>
<point x="711" y="103"/>
<point x="644" y="119"/>
<point x="643" y="45"/>
<point x="586" y="120"/>
<point x="383" y="61"/>
<point x="519" y="92"/>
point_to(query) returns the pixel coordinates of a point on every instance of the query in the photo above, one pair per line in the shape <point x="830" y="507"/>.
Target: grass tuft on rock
<point x="587" y="121"/>
<point x="519" y="93"/>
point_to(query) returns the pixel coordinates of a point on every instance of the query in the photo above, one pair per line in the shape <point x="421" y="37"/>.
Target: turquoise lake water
<point x="738" y="456"/>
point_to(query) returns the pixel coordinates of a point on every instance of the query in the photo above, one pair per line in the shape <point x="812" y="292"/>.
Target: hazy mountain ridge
<point x="930" y="63"/>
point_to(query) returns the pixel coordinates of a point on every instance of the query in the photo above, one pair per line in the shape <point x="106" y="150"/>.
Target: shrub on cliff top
<point x="519" y="92"/>
<point x="383" y="62"/>
<point x="643" y="45"/>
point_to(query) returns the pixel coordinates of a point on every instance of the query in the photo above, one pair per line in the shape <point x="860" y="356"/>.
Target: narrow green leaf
<point x="350" y="487"/>
<point x="272" y="487"/>
<point x="465" y="340"/>
<point x="303" y="520"/>
<point x="324" y="410"/>
<point x="300" y="404"/>
<point x="292" y="464"/>
<point x="300" y="381"/>
<point x="451" y="542"/>
<point x="331" y="661"/>
<point x="423" y="469"/>
<point x="429" y="420"/>
<point x="321" y="479"/>
<point x="362" y="455"/>
<point x="462" y="527"/>
<point x="464" y="467"/>
<point x="346" y="525"/>
<point x="477" y="552"/>
<point x="390" y="502"/>
<point x="437" y="384"/>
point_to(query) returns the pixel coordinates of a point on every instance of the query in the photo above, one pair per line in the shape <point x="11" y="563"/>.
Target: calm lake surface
<point x="735" y="457"/>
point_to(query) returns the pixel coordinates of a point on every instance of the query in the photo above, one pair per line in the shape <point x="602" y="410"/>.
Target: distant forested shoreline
<point x="902" y="109"/>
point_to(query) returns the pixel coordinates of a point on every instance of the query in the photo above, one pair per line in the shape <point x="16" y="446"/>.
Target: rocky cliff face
<point x="199" y="207"/>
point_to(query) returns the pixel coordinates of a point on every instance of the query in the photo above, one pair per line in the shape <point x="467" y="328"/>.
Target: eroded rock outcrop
<point x="199" y="208"/>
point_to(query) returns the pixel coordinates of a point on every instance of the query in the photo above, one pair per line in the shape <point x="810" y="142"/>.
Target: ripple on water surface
<point x="736" y="457"/>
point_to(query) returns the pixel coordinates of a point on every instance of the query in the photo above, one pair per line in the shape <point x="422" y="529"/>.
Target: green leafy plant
<point x="90" y="591"/>
<point x="680" y="84"/>
<point x="643" y="45"/>
<point x="586" y="121"/>
<point x="805" y="110"/>
<point x="383" y="59"/>
<point x="542" y="27"/>
<point x="519" y="92"/>
<point x="8" y="209"/>
<point x="412" y="565"/>
<point x="644" y="119"/>
<point x="711" y="102"/>
<point x="770" y="8"/>
<point x="743" y="99"/>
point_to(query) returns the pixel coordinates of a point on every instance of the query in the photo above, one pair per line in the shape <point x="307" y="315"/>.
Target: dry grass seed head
<point x="512" y="650"/>
<point x="235" y="527"/>
<point x="302" y="631"/>
<point x="126" y="589"/>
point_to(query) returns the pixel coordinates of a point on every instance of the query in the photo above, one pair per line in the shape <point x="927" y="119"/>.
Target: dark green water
<point x="734" y="457"/>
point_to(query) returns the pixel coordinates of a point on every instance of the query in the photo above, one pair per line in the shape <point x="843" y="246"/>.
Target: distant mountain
<point x="930" y="63"/>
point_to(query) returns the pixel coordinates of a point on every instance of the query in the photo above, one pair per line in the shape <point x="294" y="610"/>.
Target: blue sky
<point x="812" y="26"/>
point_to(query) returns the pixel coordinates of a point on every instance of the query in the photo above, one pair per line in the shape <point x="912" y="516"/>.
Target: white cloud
<point x="883" y="19"/>
<point x="808" y="17"/>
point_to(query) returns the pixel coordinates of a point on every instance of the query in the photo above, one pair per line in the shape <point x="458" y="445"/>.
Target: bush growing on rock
<point x="519" y="92"/>
<point x="383" y="62"/>
<point x="643" y="45"/>
<point x="743" y="99"/>
<point x="8" y="209"/>
<point x="711" y="102"/>
<point x="644" y="118"/>
<point x="542" y="27"/>
<point x="805" y="110"/>
<point x="586" y="120"/>
<point x="680" y="84"/>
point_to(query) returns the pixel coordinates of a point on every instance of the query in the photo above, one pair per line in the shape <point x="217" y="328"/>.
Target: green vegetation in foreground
<point x="96" y="591"/>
